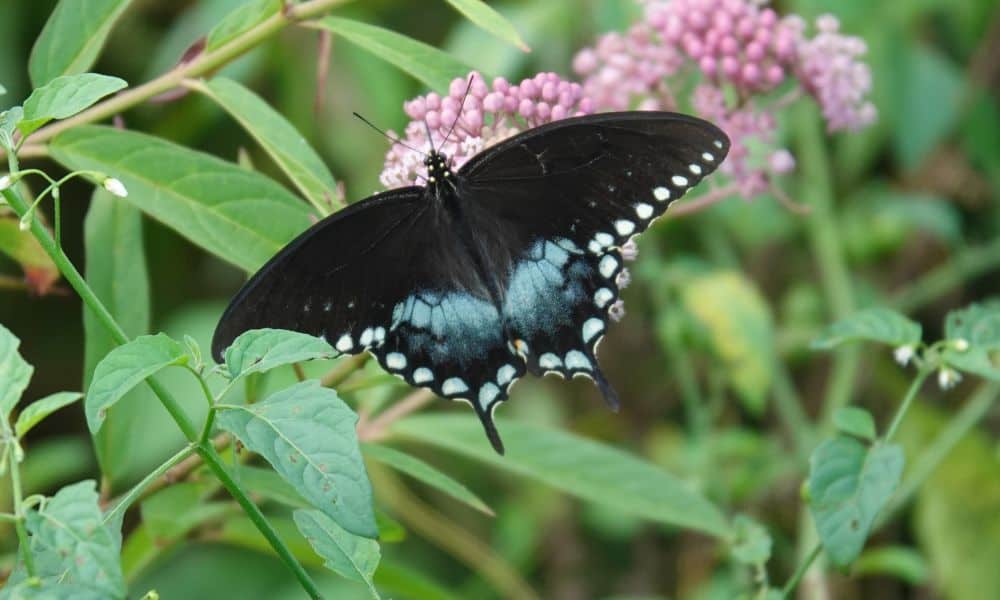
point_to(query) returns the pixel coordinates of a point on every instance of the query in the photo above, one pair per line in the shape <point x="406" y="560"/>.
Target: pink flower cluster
<point x="732" y="40"/>
<point x="734" y="44"/>
<point x="490" y="114"/>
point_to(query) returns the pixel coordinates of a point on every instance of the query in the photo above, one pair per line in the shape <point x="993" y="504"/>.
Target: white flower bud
<point x="114" y="186"/>
<point x="25" y="223"/>
<point x="5" y="182"/>
<point x="904" y="354"/>
<point x="948" y="378"/>
<point x="961" y="344"/>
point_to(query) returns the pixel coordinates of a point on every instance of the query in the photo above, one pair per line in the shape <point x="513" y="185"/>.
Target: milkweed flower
<point x="490" y="114"/>
<point x="948" y="378"/>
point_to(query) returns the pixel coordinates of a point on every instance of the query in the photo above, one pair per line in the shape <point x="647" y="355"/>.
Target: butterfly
<point x="504" y="267"/>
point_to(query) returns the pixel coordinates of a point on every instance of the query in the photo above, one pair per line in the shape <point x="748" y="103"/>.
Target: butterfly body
<point x="506" y="266"/>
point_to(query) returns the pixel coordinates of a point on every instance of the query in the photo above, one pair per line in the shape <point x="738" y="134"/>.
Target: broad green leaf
<point x="575" y="465"/>
<point x="64" y="97"/>
<point x="115" y="270"/>
<point x="308" y="435"/>
<point x="71" y="544"/>
<point x="39" y="270"/>
<point x="126" y="367"/>
<point x="855" y="421"/>
<point x="241" y="20"/>
<point x="268" y="484"/>
<point x="752" y="543"/>
<point x="849" y="483"/>
<point x="956" y="515"/>
<point x="428" y="64"/>
<point x="278" y="138"/>
<point x="15" y="373"/>
<point x="172" y="512"/>
<point x="740" y="329"/>
<point x="399" y="580"/>
<point x="187" y="26"/>
<point x="978" y="326"/>
<point x="34" y="413"/>
<point x="872" y="324"/>
<point x="349" y="555"/>
<point x="418" y="469"/>
<point x="72" y="38"/>
<point x="490" y="20"/>
<point x="928" y="105"/>
<point x="901" y="562"/>
<point x="238" y="215"/>
<point x="260" y="350"/>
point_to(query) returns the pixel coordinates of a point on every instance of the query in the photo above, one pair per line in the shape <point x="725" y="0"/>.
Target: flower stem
<point x="907" y="401"/>
<point x="15" y="483"/>
<point x="796" y="577"/>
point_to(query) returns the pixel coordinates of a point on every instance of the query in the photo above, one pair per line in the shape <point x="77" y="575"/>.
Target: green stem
<point x="214" y="462"/>
<point x="206" y="431"/>
<point x="140" y="487"/>
<point x="788" y="406"/>
<point x="907" y="401"/>
<point x="23" y="542"/>
<point x="965" y="265"/>
<point x="793" y="582"/>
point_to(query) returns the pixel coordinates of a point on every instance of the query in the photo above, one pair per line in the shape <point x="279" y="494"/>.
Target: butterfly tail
<point x="486" y="418"/>
<point x="610" y="396"/>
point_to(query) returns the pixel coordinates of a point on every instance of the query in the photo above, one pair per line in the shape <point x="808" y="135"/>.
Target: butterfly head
<point x="438" y="169"/>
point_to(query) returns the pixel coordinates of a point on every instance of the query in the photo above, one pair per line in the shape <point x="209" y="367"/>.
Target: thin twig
<point x="378" y="427"/>
<point x="682" y="209"/>
<point x="344" y="369"/>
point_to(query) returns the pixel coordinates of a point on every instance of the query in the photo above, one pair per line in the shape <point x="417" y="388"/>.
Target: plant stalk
<point x="139" y="488"/>
<point x="907" y="401"/>
<point x="23" y="542"/>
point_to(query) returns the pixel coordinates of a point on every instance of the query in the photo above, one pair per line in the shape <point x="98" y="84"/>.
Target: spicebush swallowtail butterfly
<point x="504" y="267"/>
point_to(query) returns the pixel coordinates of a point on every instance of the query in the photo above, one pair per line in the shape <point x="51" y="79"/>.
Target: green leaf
<point x="424" y="472"/>
<point x="901" y="562"/>
<point x="872" y="324"/>
<point x="71" y="544"/>
<point x="241" y="20"/>
<point x="978" y="326"/>
<point x="35" y="412"/>
<point x="15" y="373"/>
<point x="752" y="543"/>
<point x="28" y="253"/>
<point x="260" y="350"/>
<point x="268" y="484"/>
<point x="577" y="466"/>
<point x="238" y="215"/>
<point x="740" y="329"/>
<point x="428" y="64"/>
<point x="928" y="103"/>
<point x="73" y="38"/>
<point x="351" y="556"/>
<point x="849" y="483"/>
<point x="64" y="97"/>
<point x="308" y="435"/>
<point x="855" y="421"/>
<point x="277" y="137"/>
<point x="490" y="21"/>
<point x="126" y="367"/>
<point x="116" y="271"/>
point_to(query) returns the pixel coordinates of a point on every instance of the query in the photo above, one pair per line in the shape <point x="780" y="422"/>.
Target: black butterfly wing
<point x="565" y="197"/>
<point x="388" y="275"/>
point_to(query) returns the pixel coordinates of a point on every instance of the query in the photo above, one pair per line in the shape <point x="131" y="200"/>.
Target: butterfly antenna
<point x="468" y="88"/>
<point x="430" y="140"/>
<point x="391" y="138"/>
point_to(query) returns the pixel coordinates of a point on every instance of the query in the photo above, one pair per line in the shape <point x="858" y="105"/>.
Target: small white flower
<point x="961" y="344"/>
<point x="623" y="279"/>
<point x="617" y="310"/>
<point x="948" y="378"/>
<point x="5" y="182"/>
<point x="25" y="223"/>
<point x="114" y="186"/>
<point x="904" y="354"/>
